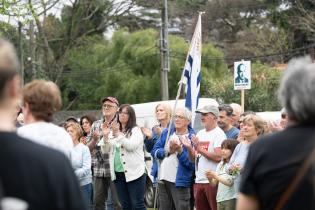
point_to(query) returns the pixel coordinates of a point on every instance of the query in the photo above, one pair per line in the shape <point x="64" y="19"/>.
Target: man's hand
<point x="196" y="144"/>
<point x="96" y="134"/>
<point x="106" y="130"/>
<point x="115" y="129"/>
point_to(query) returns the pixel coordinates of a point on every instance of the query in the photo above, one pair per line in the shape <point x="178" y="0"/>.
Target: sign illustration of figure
<point x="241" y="74"/>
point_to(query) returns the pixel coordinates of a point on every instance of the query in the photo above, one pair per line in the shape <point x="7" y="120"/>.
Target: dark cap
<point x="209" y="109"/>
<point x="72" y="118"/>
<point x="111" y="99"/>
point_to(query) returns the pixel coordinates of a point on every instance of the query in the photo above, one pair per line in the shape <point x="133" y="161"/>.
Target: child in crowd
<point x="226" y="196"/>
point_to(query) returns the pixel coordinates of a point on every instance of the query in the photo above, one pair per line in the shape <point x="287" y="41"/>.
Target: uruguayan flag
<point x="192" y="71"/>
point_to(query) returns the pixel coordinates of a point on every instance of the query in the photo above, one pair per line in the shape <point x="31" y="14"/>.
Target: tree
<point x="127" y="67"/>
<point x="261" y="97"/>
<point x="53" y="37"/>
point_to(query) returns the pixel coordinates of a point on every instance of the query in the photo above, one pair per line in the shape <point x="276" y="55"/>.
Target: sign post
<point x="242" y="78"/>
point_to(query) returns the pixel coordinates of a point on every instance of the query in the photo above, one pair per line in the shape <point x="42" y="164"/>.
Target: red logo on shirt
<point x="204" y="145"/>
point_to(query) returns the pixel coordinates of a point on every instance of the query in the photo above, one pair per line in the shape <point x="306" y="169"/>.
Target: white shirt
<point x="48" y="134"/>
<point x="169" y="164"/>
<point x="131" y="153"/>
<point x="209" y="140"/>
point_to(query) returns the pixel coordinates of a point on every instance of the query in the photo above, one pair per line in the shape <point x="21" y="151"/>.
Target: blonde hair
<point x="77" y="128"/>
<point x="167" y="108"/>
<point x="43" y="98"/>
<point x="259" y="124"/>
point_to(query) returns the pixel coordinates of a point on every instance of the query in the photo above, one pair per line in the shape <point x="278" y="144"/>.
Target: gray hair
<point x="9" y="65"/>
<point x="8" y="57"/>
<point x="187" y="112"/>
<point x="297" y="90"/>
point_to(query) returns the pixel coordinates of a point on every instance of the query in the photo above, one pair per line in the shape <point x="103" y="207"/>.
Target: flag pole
<point x="175" y="105"/>
<point x="181" y="81"/>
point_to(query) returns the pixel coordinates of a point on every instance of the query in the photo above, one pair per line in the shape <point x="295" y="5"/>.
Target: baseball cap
<point x="209" y="109"/>
<point x="111" y="99"/>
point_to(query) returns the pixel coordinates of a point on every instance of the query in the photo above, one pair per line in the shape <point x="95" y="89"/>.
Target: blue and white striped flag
<point x="192" y="71"/>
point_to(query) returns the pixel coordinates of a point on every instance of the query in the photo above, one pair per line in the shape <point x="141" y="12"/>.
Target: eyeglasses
<point x="107" y="106"/>
<point x="179" y="117"/>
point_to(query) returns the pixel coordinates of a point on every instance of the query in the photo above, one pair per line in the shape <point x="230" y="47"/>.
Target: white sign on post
<point x="242" y="75"/>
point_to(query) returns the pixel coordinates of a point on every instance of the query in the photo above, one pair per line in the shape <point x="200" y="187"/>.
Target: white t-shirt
<point x="209" y="140"/>
<point x="48" y="134"/>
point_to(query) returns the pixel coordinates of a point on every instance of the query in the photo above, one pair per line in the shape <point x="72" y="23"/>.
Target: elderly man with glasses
<point x="100" y="160"/>
<point x="176" y="169"/>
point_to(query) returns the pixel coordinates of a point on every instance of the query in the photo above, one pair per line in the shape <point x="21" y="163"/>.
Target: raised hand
<point x="195" y="142"/>
<point x="185" y="141"/>
<point x="96" y="134"/>
<point x="147" y="132"/>
<point x="158" y="130"/>
<point x="115" y="128"/>
<point x="174" y="146"/>
<point x="106" y="130"/>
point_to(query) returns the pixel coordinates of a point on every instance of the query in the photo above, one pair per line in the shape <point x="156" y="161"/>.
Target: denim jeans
<point x="87" y="193"/>
<point x="131" y="194"/>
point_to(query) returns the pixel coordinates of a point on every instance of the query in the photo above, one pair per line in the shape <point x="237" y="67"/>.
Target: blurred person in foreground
<point x="274" y="161"/>
<point x="42" y="177"/>
<point x="41" y="99"/>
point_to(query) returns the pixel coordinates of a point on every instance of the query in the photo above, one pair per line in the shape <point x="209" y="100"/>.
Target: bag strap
<point x="295" y="181"/>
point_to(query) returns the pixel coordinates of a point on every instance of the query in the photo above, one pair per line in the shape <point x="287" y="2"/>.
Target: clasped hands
<point x="106" y="128"/>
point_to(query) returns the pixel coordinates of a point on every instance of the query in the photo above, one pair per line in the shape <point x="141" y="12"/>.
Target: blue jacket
<point x="149" y="143"/>
<point x="185" y="168"/>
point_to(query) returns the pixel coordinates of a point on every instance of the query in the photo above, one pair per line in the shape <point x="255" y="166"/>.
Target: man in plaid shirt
<point x="100" y="161"/>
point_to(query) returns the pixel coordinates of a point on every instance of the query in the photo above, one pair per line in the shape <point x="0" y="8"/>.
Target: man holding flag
<point x="176" y="168"/>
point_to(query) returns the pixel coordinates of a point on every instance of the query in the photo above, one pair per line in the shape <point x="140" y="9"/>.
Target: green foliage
<point x="261" y="97"/>
<point x="128" y="67"/>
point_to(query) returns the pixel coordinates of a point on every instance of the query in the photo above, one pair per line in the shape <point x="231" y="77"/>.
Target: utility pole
<point x="32" y="50"/>
<point x="164" y="53"/>
<point x="21" y="53"/>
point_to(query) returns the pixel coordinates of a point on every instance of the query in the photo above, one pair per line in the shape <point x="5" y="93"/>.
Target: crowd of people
<point x="237" y="161"/>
